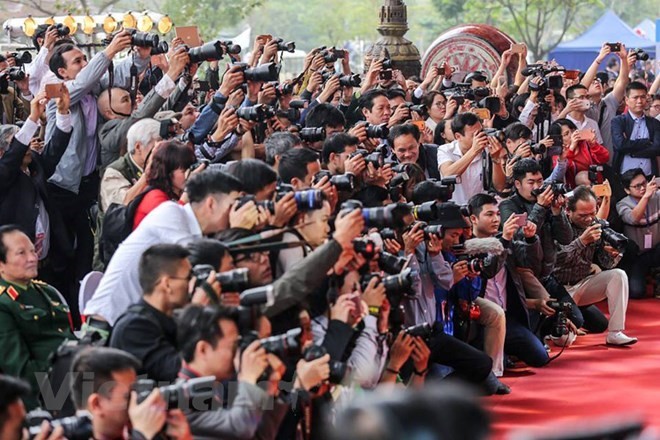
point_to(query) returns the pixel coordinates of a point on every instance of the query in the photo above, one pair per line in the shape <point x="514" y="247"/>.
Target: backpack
<point x="117" y="225"/>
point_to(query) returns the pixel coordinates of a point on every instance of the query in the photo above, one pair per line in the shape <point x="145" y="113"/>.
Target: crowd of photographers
<point x="258" y="253"/>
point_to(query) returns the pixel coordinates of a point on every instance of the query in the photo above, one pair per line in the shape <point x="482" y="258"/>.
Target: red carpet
<point x="588" y="381"/>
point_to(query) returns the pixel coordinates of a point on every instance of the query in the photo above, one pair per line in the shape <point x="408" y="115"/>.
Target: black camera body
<point x="289" y="46"/>
<point x="388" y="234"/>
<point x="257" y="113"/>
<point x="594" y="172"/>
<point x="185" y="395"/>
<point x="391" y="263"/>
<point x="387" y="64"/>
<point x="420" y="109"/>
<point x="497" y="134"/>
<point x="22" y="59"/>
<point x="492" y="103"/>
<point x="75" y="427"/>
<point x="62" y="30"/>
<point x="424" y="331"/>
<point x="338" y="370"/>
<point x="558" y="189"/>
<point x="538" y="148"/>
<point x="640" y="55"/>
<point x="143" y="39"/>
<point x="365" y="247"/>
<point x="14" y="74"/>
<point x="267" y="204"/>
<point x="264" y="73"/>
<point x="475" y="263"/>
<point x="377" y="131"/>
<point x="396" y="286"/>
<point x="563" y="309"/>
<point x="376" y="158"/>
<point x="312" y="134"/>
<point x="610" y="236"/>
<point x="343" y="182"/>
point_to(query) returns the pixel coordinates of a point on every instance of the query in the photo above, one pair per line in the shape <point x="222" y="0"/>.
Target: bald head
<point x="121" y="103"/>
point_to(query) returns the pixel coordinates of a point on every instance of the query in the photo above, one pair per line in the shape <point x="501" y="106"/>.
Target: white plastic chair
<point x="88" y="286"/>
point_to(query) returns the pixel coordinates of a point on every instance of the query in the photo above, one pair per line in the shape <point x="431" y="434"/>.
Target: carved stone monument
<point x="393" y="26"/>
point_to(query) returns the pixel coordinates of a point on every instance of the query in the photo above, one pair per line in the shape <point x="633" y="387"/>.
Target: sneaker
<point x="564" y="341"/>
<point x="619" y="338"/>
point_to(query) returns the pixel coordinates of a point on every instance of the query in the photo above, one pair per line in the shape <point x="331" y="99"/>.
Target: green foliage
<point x="541" y="24"/>
<point x="211" y="16"/>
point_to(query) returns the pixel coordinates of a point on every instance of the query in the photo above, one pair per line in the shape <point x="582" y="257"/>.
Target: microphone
<point x="490" y="245"/>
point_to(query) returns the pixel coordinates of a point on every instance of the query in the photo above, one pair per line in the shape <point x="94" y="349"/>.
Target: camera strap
<point x="133" y="84"/>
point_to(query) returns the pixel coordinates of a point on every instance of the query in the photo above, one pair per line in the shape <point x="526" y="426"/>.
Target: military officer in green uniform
<point x="33" y="319"/>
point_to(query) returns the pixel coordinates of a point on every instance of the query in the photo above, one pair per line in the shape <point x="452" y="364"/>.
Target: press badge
<point x="648" y="241"/>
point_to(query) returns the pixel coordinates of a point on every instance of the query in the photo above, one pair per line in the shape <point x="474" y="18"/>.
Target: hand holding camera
<point x="460" y="270"/>
<point x="401" y="349"/>
<point x="479" y="142"/>
<point x="178" y="62"/>
<point x="149" y="416"/>
<point x="313" y="373"/>
<point x="232" y="78"/>
<point x="591" y="234"/>
<point x="245" y="216"/>
<point x="253" y="363"/>
<point x="119" y="42"/>
<point x="420" y="355"/>
<point x="343" y="308"/>
<point x="413" y="238"/>
<point x="374" y="294"/>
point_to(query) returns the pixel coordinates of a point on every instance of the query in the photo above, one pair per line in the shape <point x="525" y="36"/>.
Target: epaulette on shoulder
<point x="39" y="282"/>
<point x="2" y="289"/>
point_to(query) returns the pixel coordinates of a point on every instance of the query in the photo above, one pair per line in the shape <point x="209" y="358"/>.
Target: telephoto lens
<point x="312" y="134"/>
<point x="162" y="48"/>
<point x="143" y="39"/>
<point x="212" y="51"/>
<point x="257" y="113"/>
<point x="391" y="263"/>
<point x="262" y="295"/>
<point x="236" y="280"/>
<point x="497" y="134"/>
<point x="263" y="73"/>
<point x="377" y="131"/>
<point x="74" y="428"/>
<point x="387" y="64"/>
<point x="350" y="80"/>
<point x="538" y="148"/>
<point x="282" y="345"/>
<point x="181" y="395"/>
<point x="15" y="74"/>
<point x="20" y="60"/>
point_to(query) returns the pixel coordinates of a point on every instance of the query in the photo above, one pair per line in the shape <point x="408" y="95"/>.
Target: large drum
<point x="468" y="48"/>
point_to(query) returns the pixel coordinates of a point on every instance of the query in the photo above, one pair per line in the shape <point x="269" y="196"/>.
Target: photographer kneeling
<point x="592" y="244"/>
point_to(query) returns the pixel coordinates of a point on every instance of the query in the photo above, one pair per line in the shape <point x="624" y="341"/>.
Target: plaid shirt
<point x="574" y="260"/>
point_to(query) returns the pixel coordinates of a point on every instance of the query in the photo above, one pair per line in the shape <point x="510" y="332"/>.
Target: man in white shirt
<point x="577" y="107"/>
<point x="211" y="194"/>
<point x="463" y="157"/>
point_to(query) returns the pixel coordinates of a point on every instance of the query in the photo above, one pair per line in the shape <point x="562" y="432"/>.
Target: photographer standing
<point x="574" y="268"/>
<point x="640" y="213"/>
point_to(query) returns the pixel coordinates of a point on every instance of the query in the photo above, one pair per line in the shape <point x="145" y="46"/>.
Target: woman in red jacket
<point x="166" y="176"/>
<point x="579" y="150"/>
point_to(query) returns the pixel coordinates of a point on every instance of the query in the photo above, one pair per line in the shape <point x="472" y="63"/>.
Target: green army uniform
<point x="33" y="323"/>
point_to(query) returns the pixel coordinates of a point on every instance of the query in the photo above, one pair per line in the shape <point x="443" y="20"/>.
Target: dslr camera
<point x="338" y="370"/>
<point x="424" y="331"/>
<point x="396" y="286"/>
<point x="392" y="215"/>
<point x="264" y="73"/>
<point x="306" y="200"/>
<point x="377" y="158"/>
<point x="266" y="204"/>
<point x="343" y="182"/>
<point x="312" y="134"/>
<point x="75" y="427"/>
<point x="183" y="395"/>
<point x="610" y="236"/>
<point x="257" y="113"/>
<point x="22" y="59"/>
<point x="558" y="189"/>
<point x="563" y="309"/>
<point x="289" y="46"/>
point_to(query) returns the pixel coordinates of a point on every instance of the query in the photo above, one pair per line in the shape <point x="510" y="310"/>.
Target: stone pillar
<point x="393" y="26"/>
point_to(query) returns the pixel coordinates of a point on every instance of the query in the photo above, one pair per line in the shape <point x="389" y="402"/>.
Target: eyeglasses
<point x="638" y="186"/>
<point x="255" y="257"/>
<point x="186" y="278"/>
<point x="440" y="104"/>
